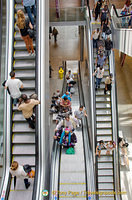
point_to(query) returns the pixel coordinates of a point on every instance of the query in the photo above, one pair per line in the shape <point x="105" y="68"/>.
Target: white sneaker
<point x="33" y="54"/>
<point x="29" y="54"/>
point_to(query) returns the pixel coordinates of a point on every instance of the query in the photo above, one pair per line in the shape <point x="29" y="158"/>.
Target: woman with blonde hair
<point x="23" y="25"/>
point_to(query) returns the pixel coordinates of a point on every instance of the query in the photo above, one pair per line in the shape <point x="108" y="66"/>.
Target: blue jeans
<point x="69" y="137"/>
<point x="28" y="10"/>
<point x="98" y="81"/>
<point x="15" y="101"/>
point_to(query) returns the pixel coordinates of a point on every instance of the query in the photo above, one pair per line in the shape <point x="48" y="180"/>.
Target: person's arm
<point x="59" y="125"/>
<point x="85" y="113"/>
<point x="19" y="107"/>
<point x="30" y="25"/>
<point x="95" y="72"/>
<point x="97" y="150"/>
<point x="92" y="34"/>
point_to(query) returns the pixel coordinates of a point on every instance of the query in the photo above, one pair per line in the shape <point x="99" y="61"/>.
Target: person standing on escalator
<point x="29" y="6"/>
<point x="23" y="25"/>
<point x="17" y="171"/>
<point x="14" y="86"/>
<point x="26" y="106"/>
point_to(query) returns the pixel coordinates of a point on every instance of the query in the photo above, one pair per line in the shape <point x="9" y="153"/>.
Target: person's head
<point x="69" y="71"/>
<point x="67" y="117"/>
<point x="65" y="98"/>
<point x="101" y="54"/>
<point x="105" y="7"/>
<point x="101" y="67"/>
<point x="108" y="38"/>
<point x="97" y="30"/>
<point x="12" y="74"/>
<point x="58" y="91"/>
<point x="14" y="165"/>
<point x="101" y="142"/>
<point x="67" y="130"/>
<point x="24" y="97"/>
<point x="67" y="93"/>
<point x="81" y="108"/>
<point x="20" y="19"/>
<point x="111" y="75"/>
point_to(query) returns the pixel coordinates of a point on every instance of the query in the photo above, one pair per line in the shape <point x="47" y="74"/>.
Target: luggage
<point x="34" y="96"/>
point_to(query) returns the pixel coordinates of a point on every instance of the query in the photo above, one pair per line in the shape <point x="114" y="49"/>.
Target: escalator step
<point x="103" y="125"/>
<point x="105" y="186"/>
<point x="23" y="55"/>
<point x="103" y="112"/>
<point x="21" y="138"/>
<point x="20" y="45"/>
<point x="107" y="179"/>
<point x="103" y="118"/>
<point x="104" y="138"/>
<point x="23" y="149"/>
<point x="25" y="74"/>
<point x="29" y="159"/>
<point x="103" y="105"/>
<point x="24" y="64"/>
<point x="105" y="172"/>
<point x="105" y="158"/>
<point x="22" y="127"/>
<point x="105" y="165"/>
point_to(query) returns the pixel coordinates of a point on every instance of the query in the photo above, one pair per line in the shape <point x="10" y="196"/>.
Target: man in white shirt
<point x="99" y="72"/>
<point x="14" y="86"/>
<point x="80" y="113"/>
<point x="69" y="75"/>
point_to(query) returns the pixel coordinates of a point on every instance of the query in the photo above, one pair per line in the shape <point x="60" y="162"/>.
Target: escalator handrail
<point x="119" y="16"/>
<point x="0" y="35"/>
<point x="56" y="156"/>
<point x="7" y="100"/>
<point x="88" y="153"/>
<point x="36" y="113"/>
<point x="92" y="93"/>
<point x="115" y="128"/>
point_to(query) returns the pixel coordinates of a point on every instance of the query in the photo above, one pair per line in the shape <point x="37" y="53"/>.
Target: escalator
<point x="104" y="109"/>
<point x="23" y="137"/>
<point x="69" y="173"/>
<point x="105" y="171"/>
<point x="121" y="35"/>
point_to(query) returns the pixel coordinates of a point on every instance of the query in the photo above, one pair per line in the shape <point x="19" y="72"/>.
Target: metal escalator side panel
<point x="7" y="108"/>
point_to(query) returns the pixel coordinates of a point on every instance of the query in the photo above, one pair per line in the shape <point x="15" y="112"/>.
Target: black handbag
<point x="108" y="31"/>
<point x="27" y="168"/>
<point x="32" y="33"/>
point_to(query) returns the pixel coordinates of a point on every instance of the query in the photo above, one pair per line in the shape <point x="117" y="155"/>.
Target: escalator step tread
<point x="25" y="159"/>
<point x="24" y="63"/>
<point x="22" y="127"/>
<point x="20" y="138"/>
<point x="106" y="186"/>
<point x="23" y="55"/>
<point x="23" y="149"/>
<point x="105" y="158"/>
<point x="105" y="165"/>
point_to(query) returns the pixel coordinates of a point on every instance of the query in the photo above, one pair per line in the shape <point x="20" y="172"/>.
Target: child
<point x="66" y="133"/>
<point x="99" y="147"/>
<point x="110" y="146"/>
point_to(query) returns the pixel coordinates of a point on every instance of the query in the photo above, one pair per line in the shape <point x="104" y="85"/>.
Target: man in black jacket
<point x="108" y="46"/>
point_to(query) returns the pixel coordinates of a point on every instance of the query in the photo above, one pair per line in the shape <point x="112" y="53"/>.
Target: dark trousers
<point x="28" y="10"/>
<point x="31" y="122"/>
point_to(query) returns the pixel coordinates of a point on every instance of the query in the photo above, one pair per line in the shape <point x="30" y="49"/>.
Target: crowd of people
<point x="66" y="123"/>
<point x="103" y="45"/>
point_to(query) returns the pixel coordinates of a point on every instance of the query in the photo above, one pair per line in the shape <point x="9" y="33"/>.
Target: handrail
<point x="7" y="101"/>
<point x="42" y="178"/>
<point x="120" y="16"/>
<point x="88" y="153"/>
<point x="0" y="35"/>
<point x="115" y="129"/>
<point x="55" y="158"/>
<point x="92" y="92"/>
<point x="36" y="114"/>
